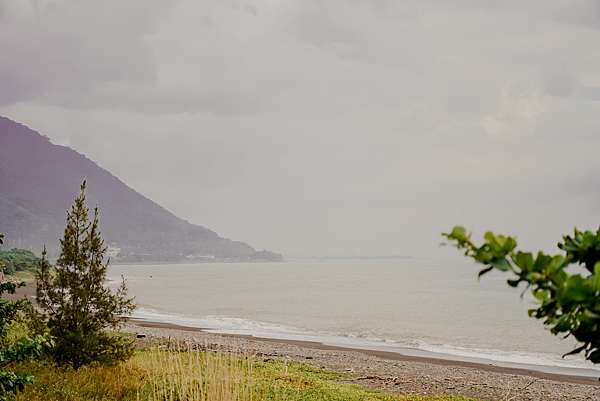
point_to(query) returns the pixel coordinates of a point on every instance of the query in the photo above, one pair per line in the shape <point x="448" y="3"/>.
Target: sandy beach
<point x="391" y="371"/>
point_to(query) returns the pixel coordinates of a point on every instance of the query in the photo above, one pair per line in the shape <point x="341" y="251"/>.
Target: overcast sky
<point x="333" y="127"/>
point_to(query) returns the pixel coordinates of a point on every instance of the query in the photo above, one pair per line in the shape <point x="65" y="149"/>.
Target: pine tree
<point x="79" y="307"/>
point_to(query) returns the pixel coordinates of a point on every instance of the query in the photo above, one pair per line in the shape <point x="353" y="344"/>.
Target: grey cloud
<point x="53" y="46"/>
<point x="580" y="12"/>
<point x="590" y="92"/>
<point x="565" y="85"/>
<point x="103" y="55"/>
<point x="317" y="127"/>
<point x="152" y="100"/>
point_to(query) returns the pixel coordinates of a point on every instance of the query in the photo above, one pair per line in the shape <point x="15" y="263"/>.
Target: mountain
<point x="38" y="181"/>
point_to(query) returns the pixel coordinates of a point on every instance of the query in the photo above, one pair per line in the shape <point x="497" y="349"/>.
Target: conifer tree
<point x="79" y="307"/>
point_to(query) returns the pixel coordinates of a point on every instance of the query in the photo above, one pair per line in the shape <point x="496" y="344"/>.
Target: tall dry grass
<point x="183" y="374"/>
<point x="191" y="372"/>
<point x="177" y="372"/>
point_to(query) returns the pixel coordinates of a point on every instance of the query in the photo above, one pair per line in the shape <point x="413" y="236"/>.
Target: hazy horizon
<point x="317" y="128"/>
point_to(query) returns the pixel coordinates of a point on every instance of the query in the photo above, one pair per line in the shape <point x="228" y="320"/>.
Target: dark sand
<point x="392" y="371"/>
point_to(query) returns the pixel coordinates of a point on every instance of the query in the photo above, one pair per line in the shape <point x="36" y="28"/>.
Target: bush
<point x="569" y="302"/>
<point x="14" y="351"/>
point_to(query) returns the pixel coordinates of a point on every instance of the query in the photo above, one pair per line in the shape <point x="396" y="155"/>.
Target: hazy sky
<point x="324" y="127"/>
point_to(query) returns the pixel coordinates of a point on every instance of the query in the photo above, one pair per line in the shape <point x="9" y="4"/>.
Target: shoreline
<point x="389" y="355"/>
<point x="386" y="371"/>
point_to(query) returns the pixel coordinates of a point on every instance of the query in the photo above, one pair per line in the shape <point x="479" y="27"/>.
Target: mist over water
<point x="422" y="304"/>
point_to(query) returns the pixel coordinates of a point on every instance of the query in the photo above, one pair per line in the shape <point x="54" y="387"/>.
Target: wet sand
<point x="392" y="371"/>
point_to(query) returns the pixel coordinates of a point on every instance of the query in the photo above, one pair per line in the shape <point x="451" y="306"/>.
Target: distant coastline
<point x="276" y="258"/>
<point x="338" y="258"/>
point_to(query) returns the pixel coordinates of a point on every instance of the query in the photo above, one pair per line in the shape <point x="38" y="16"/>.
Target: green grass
<point x="191" y="376"/>
<point x="301" y="382"/>
<point x="25" y="275"/>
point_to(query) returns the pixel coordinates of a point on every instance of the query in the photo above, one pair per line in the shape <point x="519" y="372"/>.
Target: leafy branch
<point x="569" y="303"/>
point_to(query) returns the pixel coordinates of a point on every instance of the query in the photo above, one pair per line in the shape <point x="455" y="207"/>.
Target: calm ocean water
<point x="407" y="305"/>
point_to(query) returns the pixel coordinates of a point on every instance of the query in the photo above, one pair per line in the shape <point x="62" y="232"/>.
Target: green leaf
<point x="576" y="289"/>
<point x="490" y="237"/>
<point x="541" y="295"/>
<point x="524" y="260"/>
<point x="596" y="277"/>
<point x="501" y="264"/>
<point x="458" y="234"/>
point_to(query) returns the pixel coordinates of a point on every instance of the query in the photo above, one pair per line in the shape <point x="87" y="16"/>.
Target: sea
<point x="412" y="306"/>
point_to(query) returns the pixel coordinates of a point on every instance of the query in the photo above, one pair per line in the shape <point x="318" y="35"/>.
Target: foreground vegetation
<point x="15" y="345"/>
<point x="69" y="325"/>
<point x="197" y="376"/>
<point x="566" y="285"/>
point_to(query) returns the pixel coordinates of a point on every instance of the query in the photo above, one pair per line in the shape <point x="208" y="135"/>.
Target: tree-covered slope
<point x="18" y="260"/>
<point x="38" y="179"/>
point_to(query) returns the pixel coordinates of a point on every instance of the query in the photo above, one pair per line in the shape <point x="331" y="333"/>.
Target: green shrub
<point x="569" y="303"/>
<point x="14" y="351"/>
